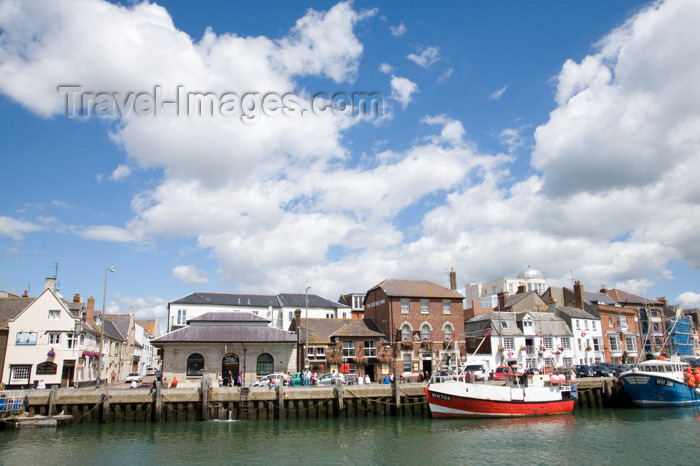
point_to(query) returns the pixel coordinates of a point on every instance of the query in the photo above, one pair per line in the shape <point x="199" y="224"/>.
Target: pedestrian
<point x="314" y="378"/>
<point x="386" y="380"/>
<point x="230" y="379"/>
<point x="134" y="384"/>
<point x="220" y="380"/>
<point x="239" y="380"/>
<point x="153" y="386"/>
<point x="367" y="381"/>
<point x="391" y="377"/>
<point x="114" y="376"/>
<point x="360" y="379"/>
<point x="307" y="377"/>
<point x="173" y="384"/>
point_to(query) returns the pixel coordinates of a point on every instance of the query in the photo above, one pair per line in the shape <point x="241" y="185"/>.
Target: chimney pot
<point x="76" y="298"/>
<point x="25" y="294"/>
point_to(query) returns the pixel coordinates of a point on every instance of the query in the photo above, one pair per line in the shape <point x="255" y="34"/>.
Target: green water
<point x="634" y="436"/>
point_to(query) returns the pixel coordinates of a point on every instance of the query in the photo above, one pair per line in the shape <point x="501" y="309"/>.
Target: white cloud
<point x="145" y="308"/>
<point x="496" y="95"/>
<point x="107" y="233"/>
<point x="512" y="139"/>
<point x="190" y="274"/>
<point x="122" y="171"/>
<point x="402" y="90"/>
<point x="17" y="229"/>
<point x="398" y="31"/>
<point x="386" y="68"/>
<point x="445" y="76"/>
<point x="689" y="299"/>
<point x="426" y="57"/>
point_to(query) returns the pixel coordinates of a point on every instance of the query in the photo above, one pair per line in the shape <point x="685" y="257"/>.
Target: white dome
<point x="529" y="272"/>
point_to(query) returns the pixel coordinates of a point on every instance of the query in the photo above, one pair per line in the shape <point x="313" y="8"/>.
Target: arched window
<point x="405" y="332"/>
<point x="266" y="364"/>
<point x="425" y="332"/>
<point x="195" y="365"/>
<point x="448" y="332"/>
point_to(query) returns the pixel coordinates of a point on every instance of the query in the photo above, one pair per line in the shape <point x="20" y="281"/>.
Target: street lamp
<point x="306" y="303"/>
<point x="102" y="326"/>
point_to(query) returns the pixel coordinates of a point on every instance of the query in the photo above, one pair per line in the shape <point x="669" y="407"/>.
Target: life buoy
<point x="583" y="334"/>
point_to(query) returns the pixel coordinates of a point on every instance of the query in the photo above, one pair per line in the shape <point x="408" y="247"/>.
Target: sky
<point x="215" y="146"/>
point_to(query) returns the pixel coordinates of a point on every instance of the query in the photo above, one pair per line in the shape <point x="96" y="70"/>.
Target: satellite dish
<point x="269" y="314"/>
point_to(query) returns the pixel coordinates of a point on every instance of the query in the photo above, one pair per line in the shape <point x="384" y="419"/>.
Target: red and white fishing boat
<point x="522" y="395"/>
<point x="541" y="395"/>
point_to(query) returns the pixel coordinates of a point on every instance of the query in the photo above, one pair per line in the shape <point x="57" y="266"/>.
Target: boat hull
<point x="654" y="391"/>
<point x="464" y="400"/>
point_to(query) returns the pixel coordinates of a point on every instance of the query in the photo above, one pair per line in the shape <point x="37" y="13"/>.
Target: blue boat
<point x="657" y="384"/>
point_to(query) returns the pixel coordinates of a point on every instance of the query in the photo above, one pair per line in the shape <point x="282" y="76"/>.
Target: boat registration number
<point x="440" y="396"/>
<point x="665" y="383"/>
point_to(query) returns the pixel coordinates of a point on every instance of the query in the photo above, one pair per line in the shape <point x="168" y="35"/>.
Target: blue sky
<point x="561" y="135"/>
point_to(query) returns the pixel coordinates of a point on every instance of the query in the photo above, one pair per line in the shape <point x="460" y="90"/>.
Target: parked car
<point x="502" y="372"/>
<point x="150" y="371"/>
<point x="265" y="381"/>
<point x="532" y="371"/>
<point x="583" y="370"/>
<point x="296" y="378"/>
<point x="479" y="371"/>
<point x="603" y="371"/>
<point x="134" y="376"/>
<point x="327" y="379"/>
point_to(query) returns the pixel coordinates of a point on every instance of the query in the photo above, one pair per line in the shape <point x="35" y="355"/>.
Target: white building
<point x="588" y="334"/>
<point x="278" y="309"/>
<point x="48" y="342"/>
<point x="485" y="293"/>
<point x="524" y="340"/>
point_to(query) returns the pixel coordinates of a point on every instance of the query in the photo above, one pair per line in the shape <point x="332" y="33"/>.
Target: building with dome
<point x="487" y="293"/>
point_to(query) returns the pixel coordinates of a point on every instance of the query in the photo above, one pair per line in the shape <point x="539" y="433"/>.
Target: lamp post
<point x="102" y="326"/>
<point x="306" y="305"/>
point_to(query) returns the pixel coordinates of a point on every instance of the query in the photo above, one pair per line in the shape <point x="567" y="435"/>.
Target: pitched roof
<point x="121" y="322"/>
<point x="226" y="334"/>
<point x="416" y="289"/>
<point x="257" y="300"/>
<point x="548" y="324"/>
<point x="148" y="325"/>
<point x="11" y="307"/>
<point x="321" y="330"/>
<point x="299" y="300"/>
<point x="575" y="313"/>
<point x="112" y="332"/>
<point x="623" y="297"/>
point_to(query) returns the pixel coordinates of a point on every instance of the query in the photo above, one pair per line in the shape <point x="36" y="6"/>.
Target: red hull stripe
<point x="469" y="407"/>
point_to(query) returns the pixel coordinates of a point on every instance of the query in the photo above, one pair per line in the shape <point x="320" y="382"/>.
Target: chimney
<point x="521" y="288"/>
<point x="502" y="299"/>
<point x="453" y="279"/>
<point x="603" y="289"/>
<point x="663" y="300"/>
<point x="25" y="294"/>
<point x="552" y="305"/>
<point x="50" y="284"/>
<point x="76" y="298"/>
<point x="578" y="295"/>
<point x="297" y="316"/>
<point x="90" y="310"/>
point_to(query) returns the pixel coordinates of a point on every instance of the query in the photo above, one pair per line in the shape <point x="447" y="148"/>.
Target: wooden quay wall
<point x="90" y="405"/>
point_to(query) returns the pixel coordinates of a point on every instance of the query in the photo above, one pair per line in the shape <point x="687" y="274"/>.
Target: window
<point x="71" y="340"/>
<point x="614" y="343"/>
<point x="568" y="362"/>
<point x="578" y="324"/>
<point x="610" y="322"/>
<point x="321" y="352"/>
<point x="195" y="365"/>
<point x="504" y="324"/>
<point x="404" y="305"/>
<point x="630" y="344"/>
<point x="425" y="332"/>
<point x="448" y="332"/>
<point x="348" y="349"/>
<point x="53" y="315"/>
<point x="20" y="373"/>
<point x="54" y="338"/>
<point x="530" y="363"/>
<point x="548" y="362"/>
<point x="597" y="344"/>
<point x="265" y="364"/>
<point x="406" y="332"/>
<point x="622" y="321"/>
<point x="407" y="362"/>
<point x="181" y="316"/>
<point x="291" y="316"/>
<point x="585" y="324"/>
<point x="370" y="349"/>
<point x="547" y="342"/>
<point x="357" y="302"/>
<point x="446" y="306"/>
<point x="509" y="343"/>
<point x="424" y="307"/>
<point x="329" y="315"/>
<point x="593" y="325"/>
<point x="566" y="343"/>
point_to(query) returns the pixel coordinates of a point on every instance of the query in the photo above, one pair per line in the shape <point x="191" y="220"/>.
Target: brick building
<point x="423" y="322"/>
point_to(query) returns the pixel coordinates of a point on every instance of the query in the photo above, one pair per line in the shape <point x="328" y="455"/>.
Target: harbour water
<point x="599" y="436"/>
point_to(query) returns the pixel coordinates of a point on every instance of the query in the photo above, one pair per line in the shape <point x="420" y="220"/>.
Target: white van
<point x="479" y="371"/>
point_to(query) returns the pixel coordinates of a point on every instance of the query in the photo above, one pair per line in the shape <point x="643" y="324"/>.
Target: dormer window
<point x="504" y="324"/>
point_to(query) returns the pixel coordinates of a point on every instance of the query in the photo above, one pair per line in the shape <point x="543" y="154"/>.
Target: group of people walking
<point x="230" y="381"/>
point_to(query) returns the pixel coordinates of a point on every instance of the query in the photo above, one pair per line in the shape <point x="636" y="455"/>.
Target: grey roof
<point x="227" y="334"/>
<point x="112" y="332"/>
<point x="120" y="322"/>
<point x="256" y="300"/>
<point x="11" y="308"/>
<point x="547" y="323"/>
<point x="241" y="316"/>
<point x="321" y="330"/>
<point x="598" y="298"/>
<point x="576" y="313"/>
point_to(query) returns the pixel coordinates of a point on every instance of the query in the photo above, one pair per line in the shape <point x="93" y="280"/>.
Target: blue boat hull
<point x="652" y="391"/>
